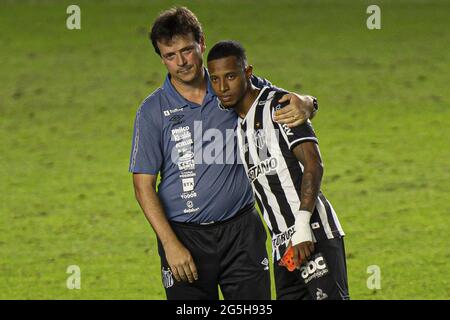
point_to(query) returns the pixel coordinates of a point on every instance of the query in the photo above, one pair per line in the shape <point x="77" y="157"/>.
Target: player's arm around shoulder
<point x="299" y="109"/>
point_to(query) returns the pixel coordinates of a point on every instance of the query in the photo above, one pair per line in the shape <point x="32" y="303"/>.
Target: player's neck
<point x="243" y="107"/>
<point x="193" y="91"/>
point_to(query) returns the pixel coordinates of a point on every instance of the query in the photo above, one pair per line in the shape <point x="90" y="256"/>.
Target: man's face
<point x="182" y="56"/>
<point x="229" y="80"/>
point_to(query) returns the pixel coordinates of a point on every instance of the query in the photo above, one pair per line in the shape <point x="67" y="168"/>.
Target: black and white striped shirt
<point x="276" y="174"/>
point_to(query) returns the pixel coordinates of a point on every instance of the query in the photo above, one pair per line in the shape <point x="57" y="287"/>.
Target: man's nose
<point x="224" y="86"/>
<point x="181" y="61"/>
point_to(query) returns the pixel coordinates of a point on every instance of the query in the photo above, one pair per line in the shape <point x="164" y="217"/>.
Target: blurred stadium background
<point x="67" y="105"/>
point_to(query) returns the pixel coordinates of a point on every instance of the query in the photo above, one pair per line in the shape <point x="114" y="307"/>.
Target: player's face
<point x="229" y="80"/>
<point x="182" y="56"/>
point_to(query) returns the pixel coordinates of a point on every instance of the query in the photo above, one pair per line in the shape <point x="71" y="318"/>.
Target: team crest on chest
<point x="259" y="138"/>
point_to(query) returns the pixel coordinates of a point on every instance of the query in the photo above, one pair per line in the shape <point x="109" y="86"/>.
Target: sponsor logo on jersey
<point x="180" y="130"/>
<point x="264" y="167"/>
<point x="187" y="174"/>
<point x="184" y="143"/>
<point x="186" y="165"/>
<point x="189" y="195"/>
<point x="190" y="207"/>
<point x="282" y="238"/>
<point x="182" y="136"/>
<point x="185" y="154"/>
<point x="188" y="184"/>
<point x="167" y="113"/>
<point x="191" y="210"/>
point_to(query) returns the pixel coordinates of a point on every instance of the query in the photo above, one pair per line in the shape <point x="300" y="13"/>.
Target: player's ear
<point x="248" y="71"/>
<point x="202" y="43"/>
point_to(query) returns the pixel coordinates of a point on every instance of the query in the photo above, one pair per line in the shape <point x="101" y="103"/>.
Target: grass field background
<point x="67" y="106"/>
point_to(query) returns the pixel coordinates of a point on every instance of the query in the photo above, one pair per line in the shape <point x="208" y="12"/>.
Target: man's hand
<point x="181" y="262"/>
<point x="302" y="252"/>
<point x="302" y="238"/>
<point x="299" y="109"/>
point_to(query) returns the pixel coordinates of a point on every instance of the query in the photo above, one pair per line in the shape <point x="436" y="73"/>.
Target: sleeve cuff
<point x="295" y="143"/>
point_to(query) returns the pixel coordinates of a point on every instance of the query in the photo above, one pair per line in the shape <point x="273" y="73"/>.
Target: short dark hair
<point x="173" y="22"/>
<point x="228" y="48"/>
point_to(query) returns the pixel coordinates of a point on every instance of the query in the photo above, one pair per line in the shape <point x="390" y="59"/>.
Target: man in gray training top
<point x="209" y="233"/>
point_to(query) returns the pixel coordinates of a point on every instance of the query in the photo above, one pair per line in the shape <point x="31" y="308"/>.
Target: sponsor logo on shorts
<point x="314" y="268"/>
<point x="320" y="295"/>
<point x="265" y="263"/>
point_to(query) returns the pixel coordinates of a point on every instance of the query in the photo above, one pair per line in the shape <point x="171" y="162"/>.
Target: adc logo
<point x="314" y="269"/>
<point x="167" y="277"/>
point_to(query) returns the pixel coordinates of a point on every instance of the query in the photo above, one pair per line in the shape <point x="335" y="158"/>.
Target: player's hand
<point x="296" y="112"/>
<point x="180" y="262"/>
<point x="302" y="252"/>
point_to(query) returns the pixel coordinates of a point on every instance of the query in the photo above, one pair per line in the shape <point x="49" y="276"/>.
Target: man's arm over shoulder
<point x="299" y="107"/>
<point x="292" y="135"/>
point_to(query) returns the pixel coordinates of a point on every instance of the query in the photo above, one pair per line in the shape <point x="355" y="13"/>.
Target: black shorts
<point x="230" y="254"/>
<point x="322" y="277"/>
